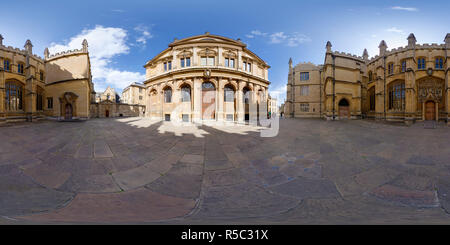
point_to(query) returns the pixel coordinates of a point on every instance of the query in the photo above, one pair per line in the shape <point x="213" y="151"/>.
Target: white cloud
<point x="277" y="37"/>
<point x="144" y="34"/>
<point x="291" y="40"/>
<point x="105" y="43"/>
<point x="411" y="9"/>
<point x="395" y="29"/>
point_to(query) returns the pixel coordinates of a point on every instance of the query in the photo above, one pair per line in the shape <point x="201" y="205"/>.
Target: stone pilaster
<point x="240" y="101"/>
<point x="197" y="99"/>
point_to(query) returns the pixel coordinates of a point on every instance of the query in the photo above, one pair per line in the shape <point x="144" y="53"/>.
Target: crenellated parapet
<point x="348" y="55"/>
<point x="83" y="50"/>
<point x="18" y="51"/>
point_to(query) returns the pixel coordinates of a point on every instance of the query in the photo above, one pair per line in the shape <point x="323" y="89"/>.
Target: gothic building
<point x="403" y="84"/>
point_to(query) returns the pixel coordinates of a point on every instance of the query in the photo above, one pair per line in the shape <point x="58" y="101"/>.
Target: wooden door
<point x="68" y="115"/>
<point x="343" y="112"/>
<point x="208" y="101"/>
<point x="430" y="111"/>
<point x="107" y="113"/>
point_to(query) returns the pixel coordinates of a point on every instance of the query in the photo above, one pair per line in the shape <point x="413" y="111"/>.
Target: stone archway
<point x="68" y="106"/>
<point x="344" y="109"/>
<point x="208" y="101"/>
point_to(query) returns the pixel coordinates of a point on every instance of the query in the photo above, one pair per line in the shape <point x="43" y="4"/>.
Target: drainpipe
<point x="384" y="92"/>
<point x="334" y="82"/>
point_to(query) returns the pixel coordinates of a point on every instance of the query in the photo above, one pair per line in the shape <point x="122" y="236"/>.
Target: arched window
<point x="185" y="93"/>
<point x="421" y="63"/>
<point x="6" y="65"/>
<point x="228" y="93"/>
<point x="20" y="68"/>
<point x="397" y="96"/>
<point x="391" y="68"/>
<point x="13" y="96"/>
<point x="403" y="65"/>
<point x="168" y="95"/>
<point x="246" y="95"/>
<point x="439" y="63"/>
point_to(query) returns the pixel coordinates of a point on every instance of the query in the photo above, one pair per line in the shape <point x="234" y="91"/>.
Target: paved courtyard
<point x="134" y="170"/>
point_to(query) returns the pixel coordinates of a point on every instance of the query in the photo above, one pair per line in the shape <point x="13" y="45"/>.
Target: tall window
<point x="168" y="95"/>
<point x="6" y="65"/>
<point x="50" y="102"/>
<point x="13" y="96"/>
<point x="228" y="94"/>
<point x="246" y="95"/>
<point x="370" y="76"/>
<point x="207" y="60"/>
<point x="304" y="90"/>
<point x="421" y="64"/>
<point x="391" y="68"/>
<point x="186" y="93"/>
<point x="167" y="65"/>
<point x="20" y="68"/>
<point x="249" y="67"/>
<point x="439" y="63"/>
<point x="304" y="76"/>
<point x="41" y="75"/>
<point x="372" y="98"/>
<point x="403" y="65"/>
<point x="39" y="100"/>
<point x="397" y="96"/>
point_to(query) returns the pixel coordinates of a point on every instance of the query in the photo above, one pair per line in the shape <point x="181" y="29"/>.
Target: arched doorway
<point x="69" y="112"/>
<point x="246" y="98"/>
<point x="208" y="101"/>
<point x="430" y="110"/>
<point x="344" y="109"/>
<point x="229" y="102"/>
<point x="106" y="113"/>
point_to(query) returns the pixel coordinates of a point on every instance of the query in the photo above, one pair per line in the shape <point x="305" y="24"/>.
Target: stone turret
<point x="28" y="47"/>
<point x="46" y="53"/>
<point x="411" y="41"/>
<point x="365" y="55"/>
<point x="1" y="40"/>
<point x="290" y="64"/>
<point x="447" y="41"/>
<point x="85" y="46"/>
<point x="382" y="47"/>
<point x="328" y="47"/>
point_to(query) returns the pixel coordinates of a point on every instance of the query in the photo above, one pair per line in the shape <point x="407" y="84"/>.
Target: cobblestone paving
<point x="134" y="170"/>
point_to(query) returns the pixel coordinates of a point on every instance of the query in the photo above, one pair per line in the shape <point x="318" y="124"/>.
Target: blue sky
<point x="123" y="35"/>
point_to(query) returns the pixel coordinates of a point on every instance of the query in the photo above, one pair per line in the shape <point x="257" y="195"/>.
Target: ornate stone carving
<point x="430" y="89"/>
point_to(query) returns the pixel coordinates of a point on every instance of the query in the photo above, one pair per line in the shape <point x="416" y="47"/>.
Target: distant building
<point x="134" y="94"/>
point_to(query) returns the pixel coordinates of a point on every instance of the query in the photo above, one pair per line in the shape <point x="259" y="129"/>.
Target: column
<point x="197" y="99"/>
<point x="240" y="101"/>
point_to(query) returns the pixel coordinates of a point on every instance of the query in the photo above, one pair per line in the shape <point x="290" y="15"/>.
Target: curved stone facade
<point x="206" y="77"/>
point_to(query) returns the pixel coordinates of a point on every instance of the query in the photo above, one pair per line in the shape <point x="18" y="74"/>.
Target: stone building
<point x="206" y="77"/>
<point x="403" y="84"/>
<point x="134" y="94"/>
<point x="109" y="94"/>
<point x="272" y="106"/>
<point x="56" y="86"/>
